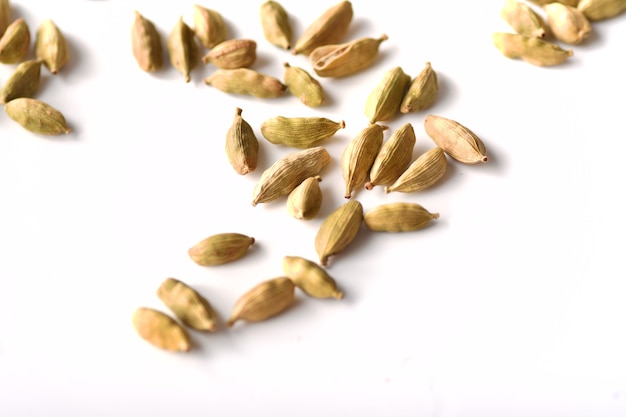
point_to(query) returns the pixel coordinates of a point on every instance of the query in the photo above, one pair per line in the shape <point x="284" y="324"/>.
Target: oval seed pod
<point x="231" y="54"/>
<point x="329" y="28"/>
<point x="311" y="278"/>
<point x="601" y="9"/>
<point x="305" y="200"/>
<point x="23" y="82"/>
<point x="51" y="46"/>
<point x="275" y="24"/>
<point x="183" y="49"/>
<point x="161" y="330"/>
<point x="302" y="85"/>
<point x="421" y="92"/>
<point x="299" y="132"/>
<point x="246" y="81"/>
<point x="14" y="42"/>
<point x="263" y="301"/>
<point x="191" y="308"/>
<point x="5" y="15"/>
<point x="359" y="155"/>
<point x="455" y="139"/>
<point x="345" y="59"/>
<point x="384" y="101"/>
<point x="338" y="230"/>
<point x="398" y="217"/>
<point x="36" y="116"/>
<point x="146" y="44"/>
<point x="567" y="23"/>
<point x="394" y="157"/>
<point x="209" y="26"/>
<point x="425" y="171"/>
<point x="242" y="146"/>
<point x="523" y="19"/>
<point x="220" y="248"/>
<point x="535" y="51"/>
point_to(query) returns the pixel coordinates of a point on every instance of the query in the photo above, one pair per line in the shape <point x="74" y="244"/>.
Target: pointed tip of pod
<point x="342" y="124"/>
<point x="435" y="215"/>
<point x="369" y="185"/>
<point x="231" y="321"/>
<point x="339" y="295"/>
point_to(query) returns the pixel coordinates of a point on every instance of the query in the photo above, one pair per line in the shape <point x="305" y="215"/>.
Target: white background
<point x="511" y="304"/>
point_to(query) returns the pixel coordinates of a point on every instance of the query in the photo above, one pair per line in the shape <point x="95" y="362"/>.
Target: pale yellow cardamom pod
<point x="340" y="60"/>
<point x="601" y="9"/>
<point x="455" y="139"/>
<point x="183" y="49"/>
<point x="161" y="330"/>
<point x="36" y="116"/>
<point x="51" y="46"/>
<point x="5" y="15"/>
<point x="398" y="217"/>
<point x="14" y="42"/>
<point x="146" y="44"/>
<point x="359" y="155"/>
<point x="299" y="132"/>
<point x="393" y="158"/>
<point x="246" y="81"/>
<point x="302" y="85"/>
<point x="220" y="248"/>
<point x="422" y="91"/>
<point x="535" y="51"/>
<point x="263" y="301"/>
<point x="383" y="103"/>
<point x="311" y="278"/>
<point x="523" y="19"/>
<point x="242" y="146"/>
<point x="567" y="23"/>
<point x="191" y="308"/>
<point x="23" y="82"/>
<point x="423" y="173"/>
<point x="275" y="24"/>
<point x="208" y="26"/>
<point x="338" y="230"/>
<point x="305" y="201"/>
<point x="231" y="54"/>
<point x="329" y="28"/>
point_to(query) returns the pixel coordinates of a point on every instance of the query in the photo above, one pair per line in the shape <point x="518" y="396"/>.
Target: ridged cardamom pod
<point x="299" y="132"/>
<point x="51" y="46"/>
<point x="523" y="19"/>
<point x="305" y="200"/>
<point x="359" y="155"/>
<point x="208" y="26"/>
<point x="23" y="82"/>
<point x="36" y="116"/>
<point x="383" y="103"/>
<point x="231" y="54"/>
<point x="146" y="44"/>
<point x="311" y="278"/>
<point x="302" y="85"/>
<point x="421" y="92"/>
<point x="398" y="217"/>
<point x="183" y="49"/>
<point x="220" y="248"/>
<point x="329" y="28"/>
<point x="533" y="50"/>
<point x="161" y="330"/>
<point x="5" y="15"/>
<point x="424" y="172"/>
<point x="338" y="230"/>
<point x="288" y="172"/>
<point x="264" y="300"/>
<point x="242" y="146"/>
<point x="340" y="60"/>
<point x="568" y="24"/>
<point x="601" y="9"/>
<point x="14" y="42"/>
<point x="393" y="158"/>
<point x="246" y="81"/>
<point x="275" y="24"/>
<point x="455" y="139"/>
<point x="191" y="308"/>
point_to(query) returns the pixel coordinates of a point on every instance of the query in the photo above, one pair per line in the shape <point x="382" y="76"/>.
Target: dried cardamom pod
<point x="567" y="2"/>
<point x="231" y="54"/>
<point x="311" y="278"/>
<point x="37" y="116"/>
<point x="601" y="9"/>
<point x="191" y="308"/>
<point x="329" y="28"/>
<point x="358" y="156"/>
<point x="14" y="42"/>
<point x="302" y="85"/>
<point x="208" y="26"/>
<point x="567" y="23"/>
<point x="299" y="132"/>
<point x="275" y="24"/>
<point x="523" y="19"/>
<point x="383" y="103"/>
<point x="455" y="139"/>
<point x="338" y="230"/>
<point x="146" y="43"/>
<point x="288" y="172"/>
<point x="23" y="82"/>
<point x="51" y="46"/>
<point x="183" y="48"/>
<point x="242" y="146"/>
<point x="161" y="330"/>
<point x="340" y="60"/>
<point x="246" y="81"/>
<point x="425" y="171"/>
<point x="398" y="217"/>
<point x="305" y="200"/>
<point x="220" y="248"/>
<point x="393" y="158"/>
<point x="535" y="51"/>
<point x="263" y="301"/>
<point x="422" y="91"/>
<point x="5" y="15"/>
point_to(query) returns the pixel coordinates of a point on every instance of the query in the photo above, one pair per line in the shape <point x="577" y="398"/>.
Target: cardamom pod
<point x="264" y="300"/>
<point x="393" y="158"/>
<point x="311" y="278"/>
<point x="535" y="51"/>
<point x="220" y="248"/>
<point x="523" y="19"/>
<point x="14" y="42"/>
<point x="302" y="85"/>
<point x="51" y="46"/>
<point x="422" y="91"/>
<point x="359" y="155"/>
<point x="246" y="81"/>
<point x="242" y="146"/>
<point x="275" y="24"/>
<point x="36" y="116"/>
<point x="340" y="60"/>
<point x="455" y="139"/>
<point x="231" y="54"/>
<point x="161" y="330"/>
<point x="191" y="308"/>
<point x="601" y="9"/>
<point x="183" y="48"/>
<point x="288" y="172"/>
<point x="5" y="15"/>
<point x="329" y="28"/>
<point x="305" y="200"/>
<point x="543" y="2"/>
<point x="398" y="217"/>
<point x="567" y="23"/>
<point x="23" y="82"/>
<point x="299" y="132"/>
<point x="383" y="103"/>
<point x="338" y="230"/>
<point x="208" y="26"/>
<point x="146" y="43"/>
<point x="425" y="171"/>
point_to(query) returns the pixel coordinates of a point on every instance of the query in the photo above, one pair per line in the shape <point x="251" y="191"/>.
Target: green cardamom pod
<point x="384" y="101"/>
<point x="242" y="146"/>
<point x="302" y="85"/>
<point x="246" y="81"/>
<point x="183" y="48"/>
<point x="359" y="155"/>
<point x="394" y="157"/>
<point x="422" y="91"/>
<point x="311" y="278"/>
<point x="340" y="60"/>
<point x="51" y="46"/>
<point x="208" y="26"/>
<point x="275" y="24"/>
<point x="338" y="230"/>
<point x="533" y="50"/>
<point x="305" y="201"/>
<point x="329" y="28"/>
<point x="424" y="172"/>
<point x="398" y="217"/>
<point x="220" y="248"/>
<point x="299" y="132"/>
<point x="231" y="54"/>
<point x="37" y="116"/>
<point x="14" y="42"/>
<point x="23" y="82"/>
<point x="191" y="308"/>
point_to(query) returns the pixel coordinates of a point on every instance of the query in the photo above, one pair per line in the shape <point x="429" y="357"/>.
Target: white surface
<point x="511" y="304"/>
